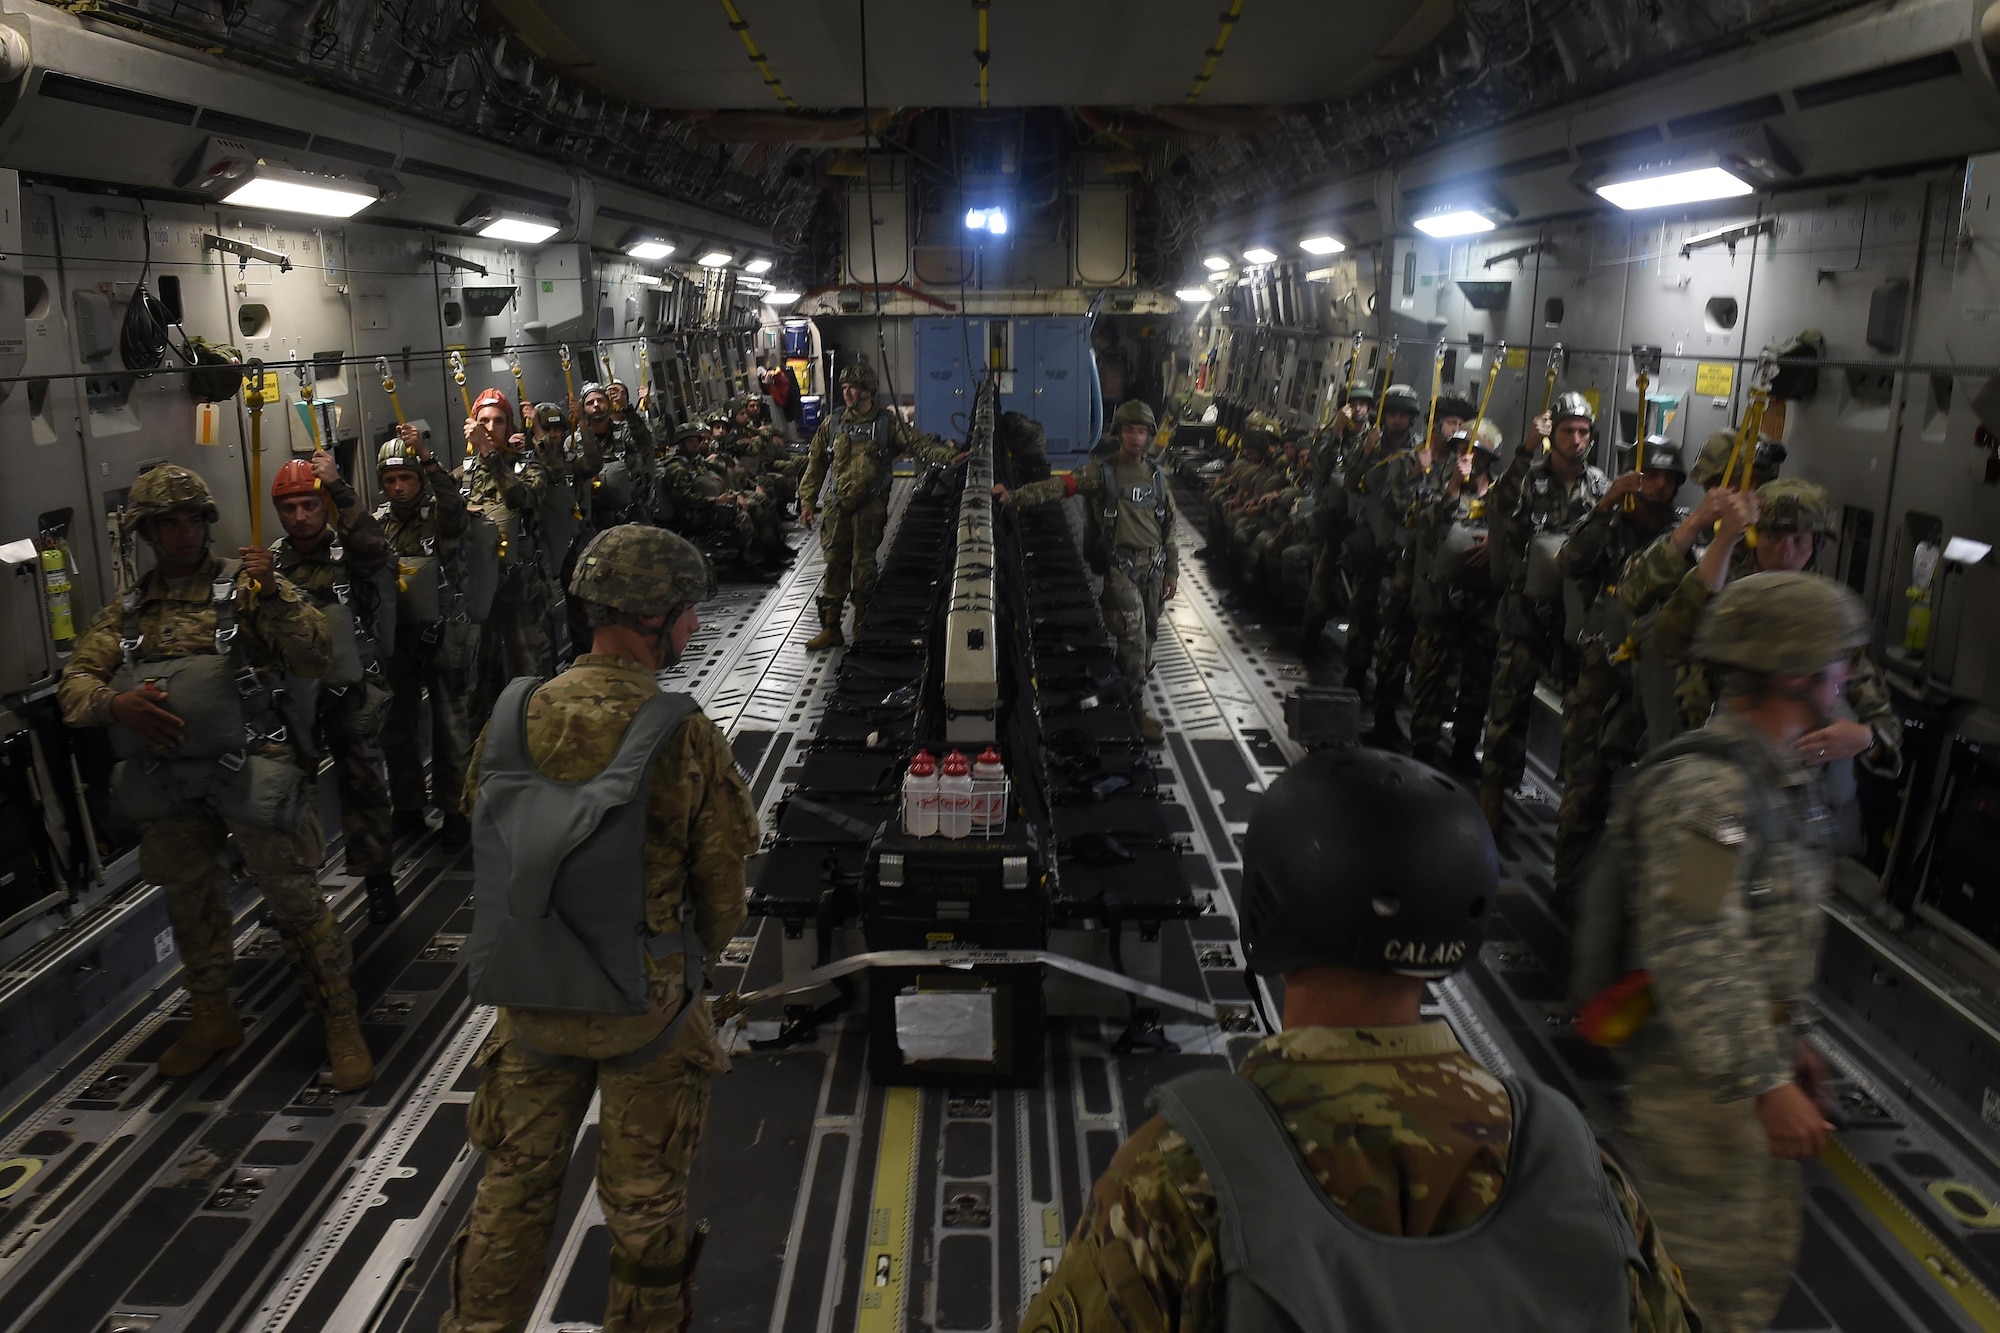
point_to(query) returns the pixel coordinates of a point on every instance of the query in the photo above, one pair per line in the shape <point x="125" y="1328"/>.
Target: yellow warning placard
<point x="1714" y="379"/>
<point x="1517" y="358"/>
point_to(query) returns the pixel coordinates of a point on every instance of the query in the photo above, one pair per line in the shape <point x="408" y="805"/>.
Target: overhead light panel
<point x="780" y="298"/>
<point x="1215" y="263"/>
<point x="521" y="231"/>
<point x="499" y="221"/>
<point x="1677" y="187"/>
<point x="1257" y="254"/>
<point x="758" y="266"/>
<point x="287" y="191"/>
<point x="1322" y="245"/>
<point x="716" y="259"/>
<point x="990" y="220"/>
<point x="650" y="250"/>
<point x="1195" y="295"/>
<point x="1449" y="222"/>
<point x="1965" y="551"/>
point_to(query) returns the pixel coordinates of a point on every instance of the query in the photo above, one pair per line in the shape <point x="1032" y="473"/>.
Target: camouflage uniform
<point x="1456" y="630"/>
<point x="1728" y="958"/>
<point x="629" y="441"/>
<point x="526" y="1114"/>
<point x="1407" y="1134"/>
<point x="351" y="718"/>
<point x="702" y="499"/>
<point x="857" y="512"/>
<point x="1366" y="563"/>
<point x="1143" y="558"/>
<point x="435" y="660"/>
<point x="1330" y="527"/>
<point x="1531" y="640"/>
<point x="1402" y="484"/>
<point x="183" y="852"/>
<point x="515" y="639"/>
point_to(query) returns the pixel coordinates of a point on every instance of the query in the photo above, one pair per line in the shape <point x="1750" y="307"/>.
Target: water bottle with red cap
<point x="920" y="797"/>
<point x="989" y="793"/>
<point x="955" y="796"/>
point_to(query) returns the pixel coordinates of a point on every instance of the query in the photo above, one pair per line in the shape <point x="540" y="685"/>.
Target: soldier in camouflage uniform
<point x="174" y="612"/>
<point x="1135" y="547"/>
<point x="424" y="515"/>
<point x="341" y="559"/>
<point x="763" y="448"/>
<point x="1557" y="488"/>
<point x="857" y="446"/>
<point x="1332" y="523"/>
<point x="1455" y="606"/>
<point x="1729" y="861"/>
<point x="1365" y="557"/>
<point x="1602" y="728"/>
<point x="503" y="480"/>
<point x="1407" y="1135"/>
<point x="1235" y="488"/>
<point x="641" y="585"/>
<point x="710" y="510"/>
<point x="1401" y="485"/>
<point x="617" y="451"/>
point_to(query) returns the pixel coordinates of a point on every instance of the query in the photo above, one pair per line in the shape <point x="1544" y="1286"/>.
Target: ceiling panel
<point x="682" y="53"/>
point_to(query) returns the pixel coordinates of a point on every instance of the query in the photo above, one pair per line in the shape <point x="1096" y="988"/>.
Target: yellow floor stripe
<point x="885" y="1269"/>
<point x="1913" y="1236"/>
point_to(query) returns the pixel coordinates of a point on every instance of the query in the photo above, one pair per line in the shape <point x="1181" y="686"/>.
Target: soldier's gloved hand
<point x="259" y="566"/>
<point x="806" y="517"/>
<point x="1792" y="1122"/>
<point x="141" y="710"/>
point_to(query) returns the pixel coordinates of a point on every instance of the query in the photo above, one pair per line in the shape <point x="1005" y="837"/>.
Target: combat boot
<point x="215" y="1028"/>
<point x="829" y="632"/>
<point x="346" y="1053"/>
<point x="408" y="824"/>
<point x="381" y="898"/>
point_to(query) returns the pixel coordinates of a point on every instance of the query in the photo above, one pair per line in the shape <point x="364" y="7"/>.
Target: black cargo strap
<point x="840" y="819"/>
<point x="681" y="941"/>
<point x="1140" y="564"/>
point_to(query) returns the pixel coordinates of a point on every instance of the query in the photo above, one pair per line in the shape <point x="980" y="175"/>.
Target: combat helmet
<point x="1400" y="398"/>
<point x="640" y="570"/>
<point x="1662" y="455"/>
<point x="689" y="430"/>
<point x="1571" y="406"/>
<point x="1133" y="410"/>
<point x="395" y="456"/>
<point x="590" y="387"/>
<point x="497" y="399"/>
<point x="862" y="376"/>
<point x="550" y="415"/>
<point x="296" y="477"/>
<point x="1791" y="505"/>
<point x="1782" y="623"/>
<point x="163" y="489"/>
<point x="1361" y="391"/>
<point x="1483" y="434"/>
<point x="1713" y="460"/>
<point x="1369" y="860"/>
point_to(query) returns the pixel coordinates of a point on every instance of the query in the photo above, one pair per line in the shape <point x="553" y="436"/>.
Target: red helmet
<point x="494" y="396"/>
<point x="295" y="478"/>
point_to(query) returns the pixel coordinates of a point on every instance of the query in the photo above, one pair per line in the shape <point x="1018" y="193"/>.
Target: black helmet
<point x="1366" y="859"/>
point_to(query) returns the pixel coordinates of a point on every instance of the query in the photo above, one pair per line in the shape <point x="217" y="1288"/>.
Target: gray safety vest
<point x="1552" y="1252"/>
<point x="559" y="875"/>
<point x="1104" y="527"/>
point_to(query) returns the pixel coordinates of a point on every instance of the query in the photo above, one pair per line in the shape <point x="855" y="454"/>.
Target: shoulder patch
<point x="1703" y="873"/>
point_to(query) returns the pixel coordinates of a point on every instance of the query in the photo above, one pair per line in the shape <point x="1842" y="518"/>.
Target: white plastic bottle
<point x="955" y="797"/>
<point x="989" y="800"/>
<point x="920" y="797"/>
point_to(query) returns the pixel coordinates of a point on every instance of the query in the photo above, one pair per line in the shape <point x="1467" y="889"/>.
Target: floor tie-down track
<point x="248" y="1197"/>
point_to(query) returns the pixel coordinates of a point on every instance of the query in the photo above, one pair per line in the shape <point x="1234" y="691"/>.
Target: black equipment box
<point x="1318" y="716"/>
<point x="956" y="893"/>
<point x="953" y="1025"/>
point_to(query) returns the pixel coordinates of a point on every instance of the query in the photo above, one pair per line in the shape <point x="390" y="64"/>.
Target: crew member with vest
<point x="857" y="445"/>
<point x="186" y="671"/>
<point x="504" y="481"/>
<point x="1603" y="724"/>
<point x="1455" y="603"/>
<point x="340" y="559"/>
<point x="1558" y="488"/>
<point x="1331" y="520"/>
<point x="610" y="829"/>
<point x="1131" y="513"/>
<point x="437" y="647"/>
<point x="1365" y="557"/>
<point x="1361" y="1170"/>
<point x="1703" y="924"/>
<point x="1399" y="487"/>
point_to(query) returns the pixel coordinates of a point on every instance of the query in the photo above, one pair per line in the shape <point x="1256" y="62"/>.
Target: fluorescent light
<point x="523" y="231"/>
<point x="650" y="250"/>
<point x="1965" y="551"/>
<point x="646" y="278"/>
<point x="780" y="298"/>
<point x="975" y="219"/>
<point x="716" y="259"/>
<point x="1680" y="187"/>
<point x="296" y="192"/>
<point x="758" y="266"/>
<point x="992" y="220"/>
<point x="1321" y="245"/>
<point x="1215" y="263"/>
<point x="1195" y="294"/>
<point x="996" y="222"/>
<point x="1257" y="254"/>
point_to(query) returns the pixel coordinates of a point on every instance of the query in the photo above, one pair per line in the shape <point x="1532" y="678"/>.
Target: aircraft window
<point x="1552" y="312"/>
<point x="254" y="321"/>
<point x="454" y="314"/>
<point x="1721" y="312"/>
<point x="170" y="296"/>
<point x="35" y="297"/>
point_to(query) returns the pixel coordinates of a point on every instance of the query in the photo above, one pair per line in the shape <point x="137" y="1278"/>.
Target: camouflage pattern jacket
<point x="365" y="553"/>
<point x="429" y="524"/>
<point x="1545" y="503"/>
<point x="1728" y="926"/>
<point x="700" y="825"/>
<point x="1407" y="1134"/>
<point x="282" y="631"/>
